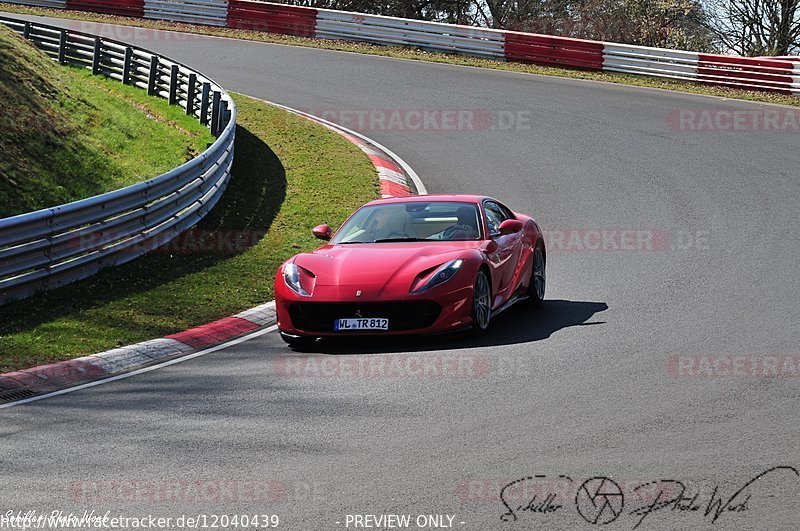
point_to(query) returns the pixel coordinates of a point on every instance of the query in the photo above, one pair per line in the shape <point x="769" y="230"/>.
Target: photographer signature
<point x="600" y="500"/>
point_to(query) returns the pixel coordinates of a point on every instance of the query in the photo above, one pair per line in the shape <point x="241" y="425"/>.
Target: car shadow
<point x="520" y="324"/>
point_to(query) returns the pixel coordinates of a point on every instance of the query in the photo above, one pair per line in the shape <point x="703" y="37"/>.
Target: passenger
<point x="466" y="228"/>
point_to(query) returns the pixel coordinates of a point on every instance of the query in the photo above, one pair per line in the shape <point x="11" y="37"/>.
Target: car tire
<point x="538" y="282"/>
<point x="298" y="342"/>
<point x="481" y="302"/>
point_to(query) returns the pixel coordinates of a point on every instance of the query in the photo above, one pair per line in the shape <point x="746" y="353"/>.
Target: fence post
<point x="26" y="31"/>
<point x="173" y="84"/>
<point x="215" y="113"/>
<point x="153" y="77"/>
<point x="204" y="104"/>
<point x="96" y="57"/>
<point x="223" y="116"/>
<point x="62" y="47"/>
<point x="190" y="93"/>
<point x="126" y="66"/>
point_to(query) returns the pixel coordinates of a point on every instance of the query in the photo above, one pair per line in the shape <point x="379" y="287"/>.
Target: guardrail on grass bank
<point x="55" y="246"/>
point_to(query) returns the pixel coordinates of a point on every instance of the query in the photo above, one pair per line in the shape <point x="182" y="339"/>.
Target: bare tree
<point x="663" y="23"/>
<point x="677" y="24"/>
<point x="449" y="11"/>
<point x="756" y="27"/>
<point x="524" y="15"/>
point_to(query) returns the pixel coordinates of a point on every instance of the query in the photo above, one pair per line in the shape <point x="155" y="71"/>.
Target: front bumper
<point x="439" y="311"/>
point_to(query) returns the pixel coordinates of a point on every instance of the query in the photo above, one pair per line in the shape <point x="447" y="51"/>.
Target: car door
<point x="505" y="259"/>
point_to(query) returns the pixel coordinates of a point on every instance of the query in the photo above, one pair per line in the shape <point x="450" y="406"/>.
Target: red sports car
<point x="415" y="265"/>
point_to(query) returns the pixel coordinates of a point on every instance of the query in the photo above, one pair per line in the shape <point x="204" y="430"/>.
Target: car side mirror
<point x="323" y="232"/>
<point x="489" y="246"/>
<point x="510" y="226"/>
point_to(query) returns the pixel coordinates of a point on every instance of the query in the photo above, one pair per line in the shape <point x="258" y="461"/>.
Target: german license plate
<point x="361" y="323"/>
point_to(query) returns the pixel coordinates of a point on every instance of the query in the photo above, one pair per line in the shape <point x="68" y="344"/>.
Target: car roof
<point x="451" y="198"/>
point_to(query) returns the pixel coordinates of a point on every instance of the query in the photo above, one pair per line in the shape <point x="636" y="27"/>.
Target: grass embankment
<point x="80" y="135"/>
<point x="289" y="175"/>
<point x="401" y="52"/>
<point x="67" y="135"/>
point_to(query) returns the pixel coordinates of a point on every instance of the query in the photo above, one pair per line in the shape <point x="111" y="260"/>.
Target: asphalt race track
<point x="595" y="383"/>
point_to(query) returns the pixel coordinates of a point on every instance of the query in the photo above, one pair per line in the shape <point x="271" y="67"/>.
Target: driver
<point x="465" y="228"/>
<point x="391" y="222"/>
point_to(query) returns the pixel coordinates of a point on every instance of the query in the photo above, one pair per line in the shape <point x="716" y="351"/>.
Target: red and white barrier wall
<point x="772" y="74"/>
<point x="272" y="18"/>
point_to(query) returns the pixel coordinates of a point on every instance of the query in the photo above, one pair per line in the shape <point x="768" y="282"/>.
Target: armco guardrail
<point x="773" y="74"/>
<point x="56" y="246"/>
<point x="207" y="12"/>
<point x="448" y="38"/>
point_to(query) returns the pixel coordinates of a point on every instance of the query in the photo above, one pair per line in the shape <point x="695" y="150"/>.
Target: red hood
<point x="378" y="264"/>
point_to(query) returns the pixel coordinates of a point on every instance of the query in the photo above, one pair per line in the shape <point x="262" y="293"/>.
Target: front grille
<point x="320" y="316"/>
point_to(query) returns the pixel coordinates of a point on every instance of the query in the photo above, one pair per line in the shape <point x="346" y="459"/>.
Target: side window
<point x="495" y="215"/>
<point x="506" y="211"/>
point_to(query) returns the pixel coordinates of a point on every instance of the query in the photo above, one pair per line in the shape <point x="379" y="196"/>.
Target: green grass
<point x="419" y="55"/>
<point x="289" y="175"/>
<point x="68" y="135"/>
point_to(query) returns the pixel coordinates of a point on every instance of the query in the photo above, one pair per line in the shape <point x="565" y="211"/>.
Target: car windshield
<point x="412" y="221"/>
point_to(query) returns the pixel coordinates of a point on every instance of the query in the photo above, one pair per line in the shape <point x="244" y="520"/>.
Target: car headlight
<point x="440" y="276"/>
<point x="291" y="276"/>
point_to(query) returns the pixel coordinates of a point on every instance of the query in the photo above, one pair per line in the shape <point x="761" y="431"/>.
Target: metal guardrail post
<point x="223" y="115"/>
<point x="173" y="85"/>
<point x="204" y="103"/>
<point x="126" y="66"/>
<point x="26" y="31"/>
<point x="152" y="79"/>
<point x="215" y="113"/>
<point x="190" y="94"/>
<point x="62" y="46"/>
<point x="96" y="56"/>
